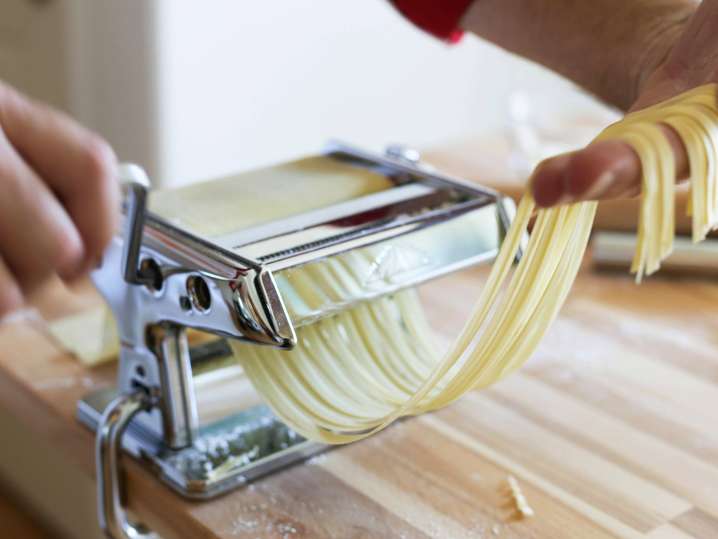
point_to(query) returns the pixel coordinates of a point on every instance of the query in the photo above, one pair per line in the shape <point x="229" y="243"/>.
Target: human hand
<point x="59" y="198"/>
<point x="686" y="56"/>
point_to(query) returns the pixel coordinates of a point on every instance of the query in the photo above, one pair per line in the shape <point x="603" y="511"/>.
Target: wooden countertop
<point x="611" y="431"/>
<point x="15" y="521"/>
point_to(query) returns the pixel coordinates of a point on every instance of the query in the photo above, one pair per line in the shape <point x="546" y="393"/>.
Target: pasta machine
<point x="217" y="258"/>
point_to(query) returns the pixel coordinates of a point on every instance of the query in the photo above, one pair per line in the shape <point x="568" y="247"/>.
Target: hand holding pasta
<point x="685" y="57"/>
<point x="59" y="198"/>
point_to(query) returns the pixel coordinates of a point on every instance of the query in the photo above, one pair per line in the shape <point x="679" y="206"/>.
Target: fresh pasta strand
<point x="355" y="372"/>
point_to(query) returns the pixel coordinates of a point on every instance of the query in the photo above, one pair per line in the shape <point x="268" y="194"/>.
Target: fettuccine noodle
<point x="354" y="373"/>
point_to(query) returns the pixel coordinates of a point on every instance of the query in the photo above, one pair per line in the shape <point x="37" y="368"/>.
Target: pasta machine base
<point x="225" y="455"/>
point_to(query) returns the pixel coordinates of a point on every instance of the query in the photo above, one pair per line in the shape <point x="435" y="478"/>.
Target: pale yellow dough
<point x="353" y="374"/>
<point x="90" y="335"/>
<point x="236" y="202"/>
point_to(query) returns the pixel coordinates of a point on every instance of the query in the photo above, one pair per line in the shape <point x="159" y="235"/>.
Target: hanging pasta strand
<point x="355" y="372"/>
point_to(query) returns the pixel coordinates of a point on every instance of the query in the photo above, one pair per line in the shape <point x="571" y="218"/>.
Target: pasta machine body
<point x="179" y="264"/>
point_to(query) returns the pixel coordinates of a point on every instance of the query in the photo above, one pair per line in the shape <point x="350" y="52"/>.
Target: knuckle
<point x="12" y="185"/>
<point x="8" y="177"/>
<point x="542" y="168"/>
<point x="579" y="161"/>
<point x="99" y="162"/>
<point x="12" y="102"/>
<point x="581" y="171"/>
<point x="102" y="185"/>
<point x="67" y="252"/>
<point x="10" y="297"/>
<point x="6" y="308"/>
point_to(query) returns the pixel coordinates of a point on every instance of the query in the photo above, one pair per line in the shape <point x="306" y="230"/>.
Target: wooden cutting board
<point x="16" y="522"/>
<point x="610" y="430"/>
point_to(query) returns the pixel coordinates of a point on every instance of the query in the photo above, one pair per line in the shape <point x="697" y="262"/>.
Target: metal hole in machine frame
<point x="199" y="293"/>
<point x="152" y="274"/>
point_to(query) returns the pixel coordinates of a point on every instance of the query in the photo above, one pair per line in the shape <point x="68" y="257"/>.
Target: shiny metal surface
<point x="422" y="197"/>
<point x="160" y="279"/>
<point x="136" y="183"/>
<point x="239" y="449"/>
<point x="268" y="240"/>
<point x="401" y="261"/>
<point x="238" y="273"/>
<point x="177" y="400"/>
<point x="402" y="153"/>
<point x="110" y="511"/>
<point x="248" y="307"/>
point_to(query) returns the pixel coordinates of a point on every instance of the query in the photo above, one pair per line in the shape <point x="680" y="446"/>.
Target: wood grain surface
<point x="16" y="522"/>
<point x="611" y="431"/>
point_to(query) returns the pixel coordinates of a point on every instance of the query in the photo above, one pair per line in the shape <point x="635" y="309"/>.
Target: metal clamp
<point x="108" y="446"/>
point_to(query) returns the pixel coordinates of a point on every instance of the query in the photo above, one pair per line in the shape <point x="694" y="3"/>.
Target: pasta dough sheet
<point x="219" y="207"/>
<point x="353" y="374"/>
<point x="91" y="336"/>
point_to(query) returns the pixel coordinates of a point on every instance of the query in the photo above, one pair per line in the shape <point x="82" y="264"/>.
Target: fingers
<point x="10" y="294"/>
<point x="77" y="165"/>
<point x="602" y="170"/>
<point x="37" y="236"/>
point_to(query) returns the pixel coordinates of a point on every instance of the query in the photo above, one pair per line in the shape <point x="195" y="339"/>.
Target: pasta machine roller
<point x="218" y="258"/>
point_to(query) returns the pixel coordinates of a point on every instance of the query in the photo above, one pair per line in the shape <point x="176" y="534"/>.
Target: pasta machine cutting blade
<point x="218" y="258"/>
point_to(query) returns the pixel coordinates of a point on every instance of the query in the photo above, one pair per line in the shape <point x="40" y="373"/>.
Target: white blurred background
<point x="194" y="89"/>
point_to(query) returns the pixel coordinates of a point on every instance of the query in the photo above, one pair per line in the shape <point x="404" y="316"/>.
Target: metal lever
<point x="108" y="446"/>
<point x="136" y="183"/>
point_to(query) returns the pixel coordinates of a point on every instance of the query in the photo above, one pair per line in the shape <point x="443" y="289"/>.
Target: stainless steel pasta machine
<point x="198" y="259"/>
